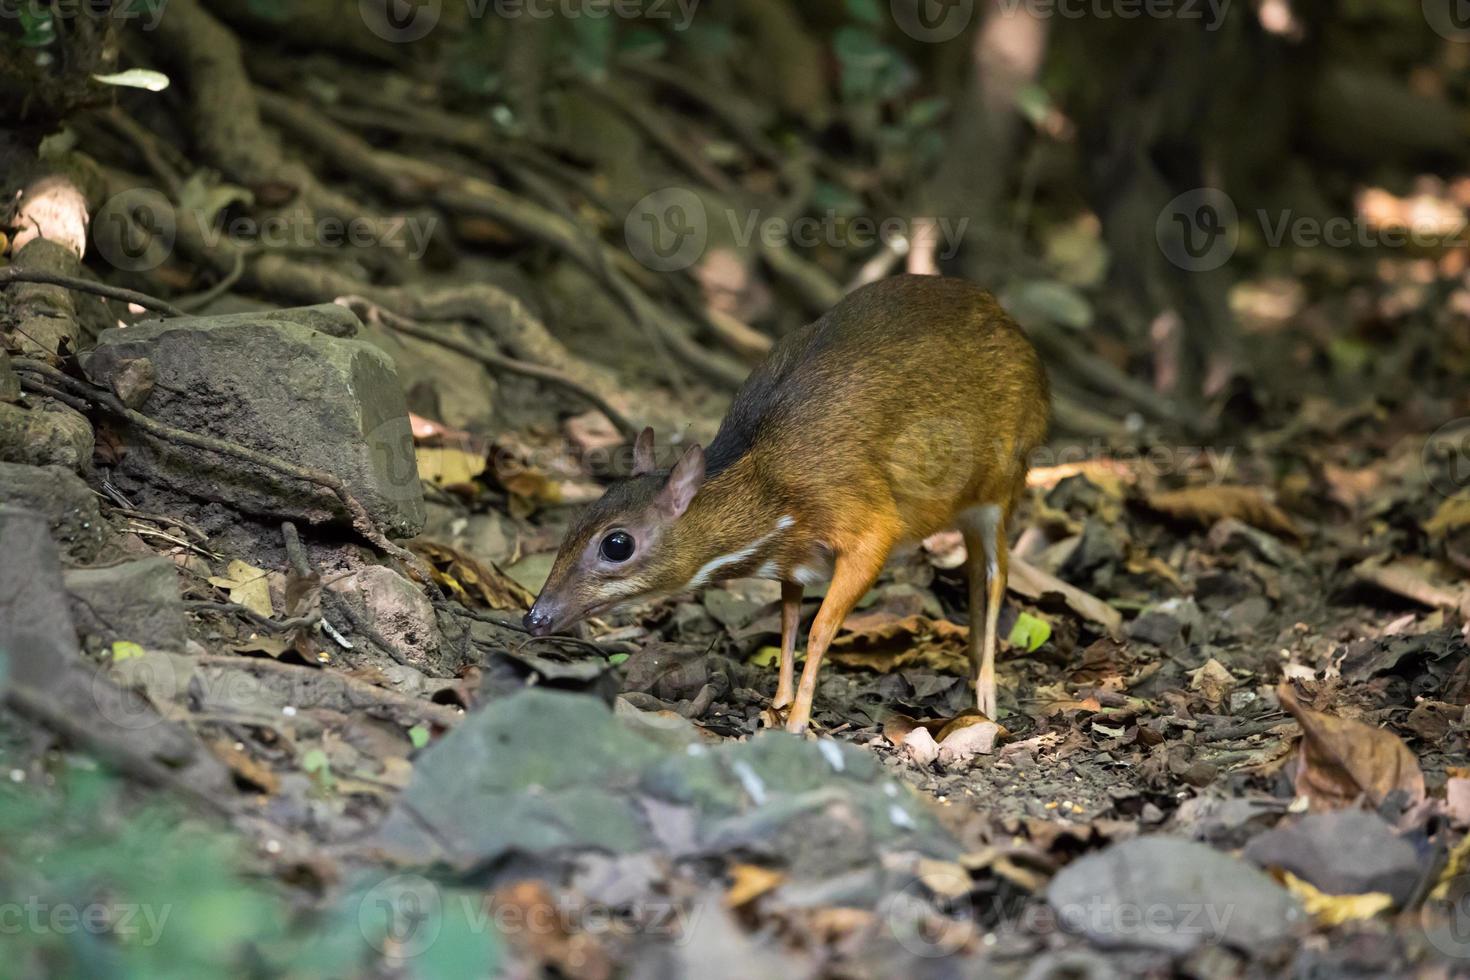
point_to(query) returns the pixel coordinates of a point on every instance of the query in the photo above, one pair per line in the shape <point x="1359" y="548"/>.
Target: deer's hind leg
<point x="986" y="562"/>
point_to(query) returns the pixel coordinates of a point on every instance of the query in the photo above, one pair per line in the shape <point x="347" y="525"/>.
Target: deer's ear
<point x="684" y="482"/>
<point x="643" y="452"/>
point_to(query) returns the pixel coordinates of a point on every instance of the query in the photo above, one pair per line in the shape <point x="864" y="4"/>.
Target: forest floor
<point x="268" y="705"/>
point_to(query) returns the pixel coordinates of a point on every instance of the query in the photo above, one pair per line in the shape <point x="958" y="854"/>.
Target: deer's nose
<point x="537" y="621"/>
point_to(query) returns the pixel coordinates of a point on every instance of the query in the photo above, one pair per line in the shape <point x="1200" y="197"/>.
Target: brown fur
<point x="911" y="401"/>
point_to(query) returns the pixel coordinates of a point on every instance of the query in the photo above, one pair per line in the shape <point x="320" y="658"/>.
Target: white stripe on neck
<point x="706" y="572"/>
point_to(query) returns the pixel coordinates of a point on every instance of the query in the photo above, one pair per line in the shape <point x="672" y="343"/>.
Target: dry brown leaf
<point x="1206" y="505"/>
<point x="960" y="743"/>
<point x="1343" y="760"/>
<point x="245" y="766"/>
<point x="1413" y="581"/>
<point x="1213" y="682"/>
<point x="1030" y="582"/>
<point x="274" y="647"/>
<point x="920" y="746"/>
<point x="471" y="581"/>
<point x="749" y="882"/>
<point x="247" y="585"/>
<point x="884" y="642"/>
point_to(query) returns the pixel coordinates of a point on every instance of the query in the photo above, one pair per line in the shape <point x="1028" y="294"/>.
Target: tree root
<point x="369" y="311"/>
<point x="417" y="181"/>
<point x="14" y="274"/>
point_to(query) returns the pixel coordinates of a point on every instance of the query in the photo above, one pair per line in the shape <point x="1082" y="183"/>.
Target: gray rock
<point x="1346" y="852"/>
<point x="290" y="383"/>
<point x="544" y="773"/>
<point x="136" y="601"/>
<point x="1168" y="893"/>
<point x="69" y="505"/>
<point x="45" y="434"/>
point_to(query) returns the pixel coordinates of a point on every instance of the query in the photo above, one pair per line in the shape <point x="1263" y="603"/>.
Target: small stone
<point x="398" y="611"/>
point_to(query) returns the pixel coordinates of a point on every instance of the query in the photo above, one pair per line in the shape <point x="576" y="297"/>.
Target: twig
<point x="164" y="519"/>
<point x="12" y="274"/>
<point x="455" y="609"/>
<point x="41" y="388"/>
<point x="371" y="311"/>
<point x="263" y="622"/>
<point x="361" y="520"/>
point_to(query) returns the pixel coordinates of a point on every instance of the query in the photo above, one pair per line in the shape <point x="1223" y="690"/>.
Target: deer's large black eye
<point x="617" y="546"/>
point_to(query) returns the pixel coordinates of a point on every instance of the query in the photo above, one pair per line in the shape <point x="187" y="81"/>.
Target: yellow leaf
<point x="124" y="650"/>
<point x="749" y="882"/>
<point x="765" y="657"/>
<point x="248" y="586"/>
<point x="1334" y="910"/>
<point x="1452" y="515"/>
<point x="447" y="465"/>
